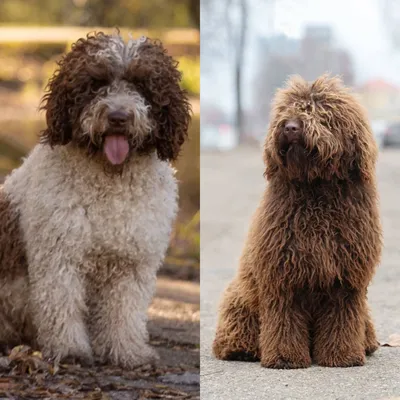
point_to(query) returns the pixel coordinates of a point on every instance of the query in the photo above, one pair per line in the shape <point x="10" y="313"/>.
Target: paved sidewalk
<point x="231" y="185"/>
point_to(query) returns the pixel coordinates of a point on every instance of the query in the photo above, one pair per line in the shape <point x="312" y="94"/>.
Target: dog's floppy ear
<point x="366" y="152"/>
<point x="270" y="165"/>
<point x="70" y="89"/>
<point x="56" y="105"/>
<point x="156" y="76"/>
<point x="361" y="146"/>
<point x="270" y="162"/>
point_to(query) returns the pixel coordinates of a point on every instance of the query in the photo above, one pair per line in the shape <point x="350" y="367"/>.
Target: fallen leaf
<point x="24" y="360"/>
<point x="394" y="341"/>
<point x="38" y="354"/>
<point x="4" y="363"/>
<point x="19" y="351"/>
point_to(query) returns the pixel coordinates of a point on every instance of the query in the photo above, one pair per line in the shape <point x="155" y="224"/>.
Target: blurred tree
<point x="137" y="14"/>
<point x="390" y="10"/>
<point x="237" y="34"/>
<point x="194" y="9"/>
<point x="213" y="31"/>
<point x="223" y="35"/>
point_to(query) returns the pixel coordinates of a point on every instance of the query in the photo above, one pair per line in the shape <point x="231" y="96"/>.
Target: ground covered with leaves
<point x="25" y="375"/>
<point x="174" y="331"/>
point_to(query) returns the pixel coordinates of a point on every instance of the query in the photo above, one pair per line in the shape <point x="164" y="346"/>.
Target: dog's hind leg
<point x="238" y="327"/>
<point x="9" y="335"/>
<point x="15" y="321"/>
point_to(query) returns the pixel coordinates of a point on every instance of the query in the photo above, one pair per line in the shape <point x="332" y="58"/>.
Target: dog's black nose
<point x="117" y="118"/>
<point x="292" y="126"/>
<point x="293" y="130"/>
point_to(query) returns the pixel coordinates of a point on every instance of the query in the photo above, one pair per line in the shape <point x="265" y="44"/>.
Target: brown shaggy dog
<point x="315" y="240"/>
<point x="86" y="220"/>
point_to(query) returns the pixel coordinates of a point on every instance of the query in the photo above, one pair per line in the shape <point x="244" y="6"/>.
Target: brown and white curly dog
<point x="301" y="290"/>
<point x="85" y="221"/>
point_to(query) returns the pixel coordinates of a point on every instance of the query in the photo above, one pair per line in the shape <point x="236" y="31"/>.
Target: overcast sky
<point x="358" y="27"/>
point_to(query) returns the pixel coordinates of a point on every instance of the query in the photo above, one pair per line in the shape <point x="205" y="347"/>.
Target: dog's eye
<point x="98" y="84"/>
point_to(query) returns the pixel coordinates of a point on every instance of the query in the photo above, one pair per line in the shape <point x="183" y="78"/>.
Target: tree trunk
<point x="239" y="64"/>
<point x="194" y="10"/>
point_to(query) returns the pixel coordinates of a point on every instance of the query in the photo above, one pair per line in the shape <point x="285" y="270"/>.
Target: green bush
<point x="190" y="67"/>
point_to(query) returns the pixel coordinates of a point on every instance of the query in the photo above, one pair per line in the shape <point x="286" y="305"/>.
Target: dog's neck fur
<point x="70" y="166"/>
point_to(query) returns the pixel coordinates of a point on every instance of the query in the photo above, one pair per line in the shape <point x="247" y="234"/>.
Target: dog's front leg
<point x="340" y="328"/>
<point x="57" y="300"/>
<point x="284" y="334"/>
<point x="119" y="318"/>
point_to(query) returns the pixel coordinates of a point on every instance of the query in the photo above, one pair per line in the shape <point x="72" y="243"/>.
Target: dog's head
<point x="318" y="130"/>
<point x="117" y="99"/>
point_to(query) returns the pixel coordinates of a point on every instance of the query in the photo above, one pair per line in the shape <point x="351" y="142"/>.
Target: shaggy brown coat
<point x="301" y="290"/>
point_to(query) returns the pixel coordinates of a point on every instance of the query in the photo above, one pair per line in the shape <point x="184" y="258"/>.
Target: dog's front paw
<point x="279" y="360"/>
<point x="341" y="359"/>
<point x="71" y="347"/>
<point x="85" y="360"/>
<point x="69" y="355"/>
<point x="229" y="351"/>
<point x="371" y="347"/>
<point x="371" y="343"/>
<point x="132" y="357"/>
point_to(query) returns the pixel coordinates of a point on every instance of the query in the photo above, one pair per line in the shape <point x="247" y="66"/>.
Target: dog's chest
<point x="320" y="240"/>
<point x="131" y="223"/>
<point x="119" y="219"/>
<point x="70" y="207"/>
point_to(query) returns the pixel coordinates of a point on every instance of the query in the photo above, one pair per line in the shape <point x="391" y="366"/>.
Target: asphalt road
<point x="231" y="185"/>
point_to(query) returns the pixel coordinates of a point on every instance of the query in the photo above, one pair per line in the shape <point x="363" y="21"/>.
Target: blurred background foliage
<point x="34" y="34"/>
<point x="136" y="14"/>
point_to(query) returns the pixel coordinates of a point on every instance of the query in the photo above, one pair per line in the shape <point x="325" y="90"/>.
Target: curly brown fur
<point x="315" y="240"/>
<point x="13" y="278"/>
<point x="100" y="63"/>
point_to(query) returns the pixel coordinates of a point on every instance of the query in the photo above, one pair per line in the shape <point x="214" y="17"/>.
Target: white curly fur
<point x="93" y="242"/>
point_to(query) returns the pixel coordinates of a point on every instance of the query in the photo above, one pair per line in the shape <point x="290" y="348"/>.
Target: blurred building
<point x="279" y="44"/>
<point x="319" y="55"/>
<point x="391" y="15"/>
<point x="310" y="56"/>
<point x="381" y="99"/>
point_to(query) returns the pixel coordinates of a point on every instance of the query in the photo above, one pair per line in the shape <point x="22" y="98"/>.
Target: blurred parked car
<point x="220" y="137"/>
<point x="379" y="127"/>
<point x="391" y="136"/>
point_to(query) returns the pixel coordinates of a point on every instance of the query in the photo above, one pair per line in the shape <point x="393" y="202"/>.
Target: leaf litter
<point x="25" y="375"/>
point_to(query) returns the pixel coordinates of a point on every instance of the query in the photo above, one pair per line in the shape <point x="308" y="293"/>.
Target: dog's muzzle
<point x="293" y="131"/>
<point x="291" y="136"/>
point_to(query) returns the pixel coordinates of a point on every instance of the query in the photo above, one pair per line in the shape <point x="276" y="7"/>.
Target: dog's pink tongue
<point x="116" y="148"/>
